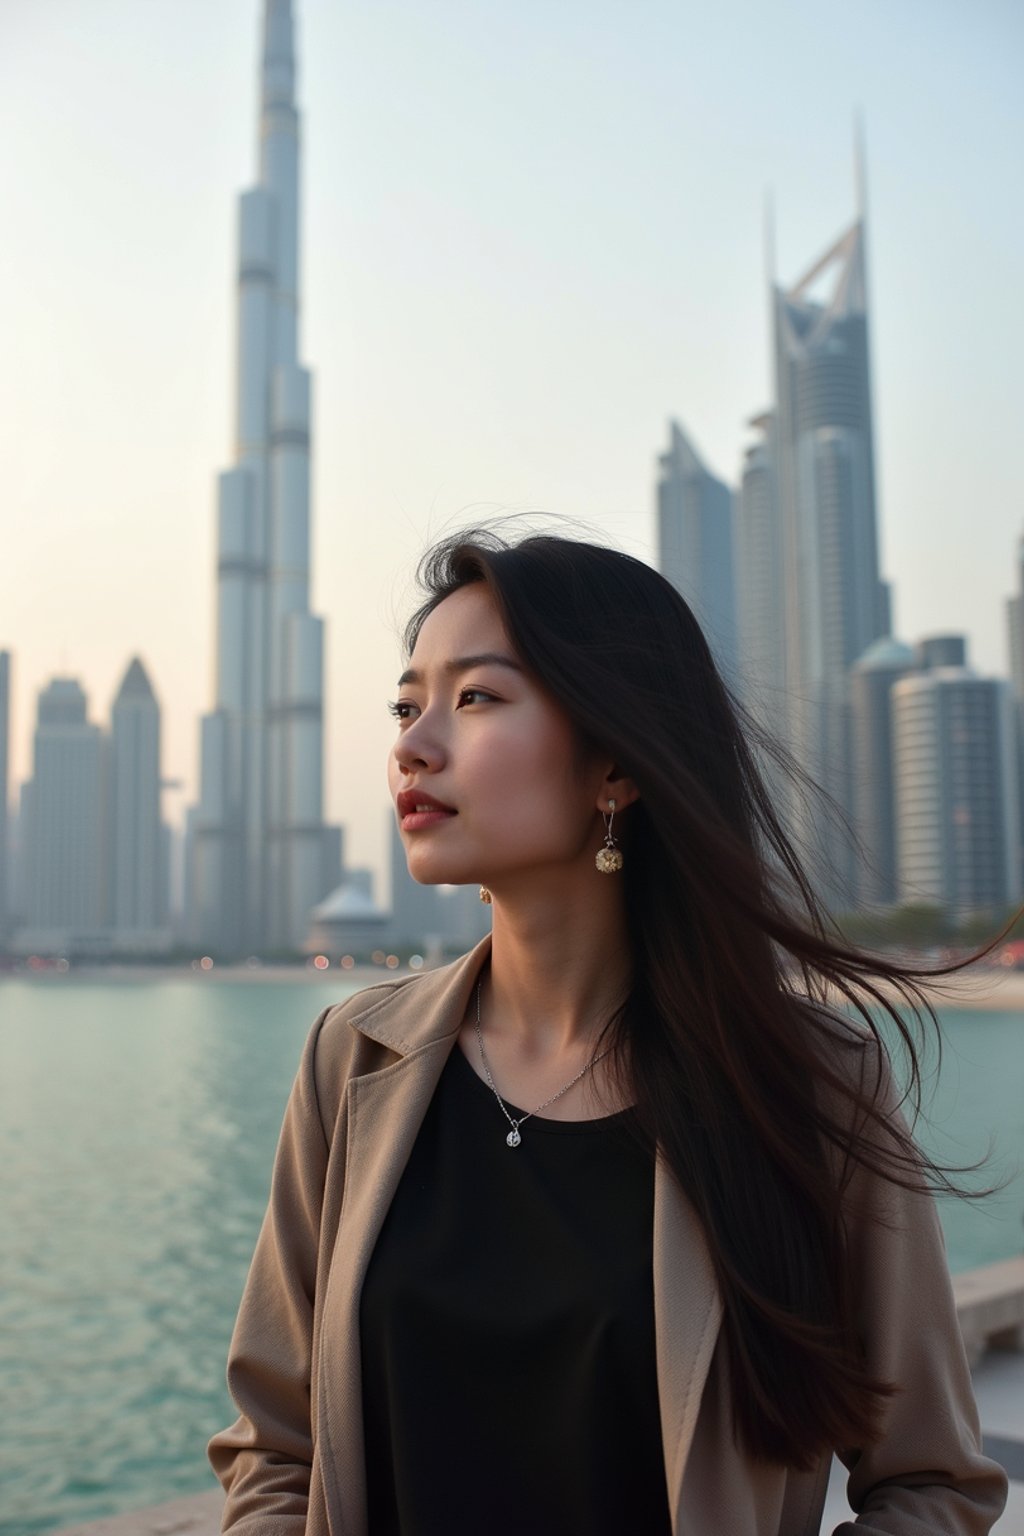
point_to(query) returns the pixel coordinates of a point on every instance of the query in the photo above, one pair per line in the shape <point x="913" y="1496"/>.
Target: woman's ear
<point x="616" y="786"/>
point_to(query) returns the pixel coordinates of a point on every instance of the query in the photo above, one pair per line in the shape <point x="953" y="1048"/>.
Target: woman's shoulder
<point x="335" y="1031"/>
<point x="381" y="1023"/>
<point x="853" y="1059"/>
<point x="378" y="994"/>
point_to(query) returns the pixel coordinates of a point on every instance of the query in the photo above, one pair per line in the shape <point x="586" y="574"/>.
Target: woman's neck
<point x="559" y="968"/>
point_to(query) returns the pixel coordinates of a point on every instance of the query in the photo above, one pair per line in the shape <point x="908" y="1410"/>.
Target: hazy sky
<point x="532" y="233"/>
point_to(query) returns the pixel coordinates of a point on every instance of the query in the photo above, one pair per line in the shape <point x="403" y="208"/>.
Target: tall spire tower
<point x="260" y="844"/>
<point x="836" y="602"/>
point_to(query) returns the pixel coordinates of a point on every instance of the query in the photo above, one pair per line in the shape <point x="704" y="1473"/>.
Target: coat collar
<point x="419" y="1010"/>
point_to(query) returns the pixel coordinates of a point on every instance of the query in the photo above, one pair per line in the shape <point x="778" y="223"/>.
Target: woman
<point x="611" y="1226"/>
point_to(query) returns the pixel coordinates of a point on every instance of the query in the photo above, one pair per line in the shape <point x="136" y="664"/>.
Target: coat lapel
<point x="687" y="1315"/>
<point x="384" y="1111"/>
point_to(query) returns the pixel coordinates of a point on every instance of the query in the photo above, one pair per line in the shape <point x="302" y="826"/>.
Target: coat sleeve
<point x="264" y="1459"/>
<point x="927" y="1473"/>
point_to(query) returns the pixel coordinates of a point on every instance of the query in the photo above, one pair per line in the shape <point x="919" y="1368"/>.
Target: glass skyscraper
<point x="836" y="604"/>
<point x="695" y="550"/>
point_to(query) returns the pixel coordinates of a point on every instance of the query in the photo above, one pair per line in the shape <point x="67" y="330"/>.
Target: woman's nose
<point x="418" y="748"/>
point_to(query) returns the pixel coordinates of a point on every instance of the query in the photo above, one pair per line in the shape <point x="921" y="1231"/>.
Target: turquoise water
<point x="137" y="1128"/>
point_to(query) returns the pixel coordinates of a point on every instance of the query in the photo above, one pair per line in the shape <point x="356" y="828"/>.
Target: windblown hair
<point x="745" y="1074"/>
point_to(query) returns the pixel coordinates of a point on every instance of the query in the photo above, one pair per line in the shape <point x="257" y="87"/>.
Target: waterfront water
<point x="137" y="1127"/>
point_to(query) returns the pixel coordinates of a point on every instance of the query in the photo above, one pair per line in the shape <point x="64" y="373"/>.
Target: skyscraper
<point x="65" y="864"/>
<point x="695" y="542"/>
<point x="259" y="856"/>
<point x="760" y="595"/>
<point x="836" y="603"/>
<point x="1015" y="625"/>
<point x="956" y="798"/>
<point x="5" y="847"/>
<point x="138" y="886"/>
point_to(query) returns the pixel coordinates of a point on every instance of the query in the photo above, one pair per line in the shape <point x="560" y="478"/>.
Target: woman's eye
<point x="401" y="710"/>
<point x="473" y="696"/>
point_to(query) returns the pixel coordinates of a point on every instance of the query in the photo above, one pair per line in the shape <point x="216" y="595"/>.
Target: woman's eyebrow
<point x="464" y="664"/>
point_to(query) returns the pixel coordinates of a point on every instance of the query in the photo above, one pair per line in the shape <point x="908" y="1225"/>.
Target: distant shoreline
<point x="990" y="988"/>
<point x="982" y="988"/>
<point x="359" y="975"/>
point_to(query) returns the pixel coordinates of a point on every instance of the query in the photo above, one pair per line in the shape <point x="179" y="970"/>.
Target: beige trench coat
<point x="292" y="1464"/>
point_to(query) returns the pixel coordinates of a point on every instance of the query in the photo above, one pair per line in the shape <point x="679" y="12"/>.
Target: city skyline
<point x="488" y="369"/>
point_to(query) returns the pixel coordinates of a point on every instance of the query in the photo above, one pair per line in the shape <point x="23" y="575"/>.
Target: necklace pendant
<point x="513" y="1138"/>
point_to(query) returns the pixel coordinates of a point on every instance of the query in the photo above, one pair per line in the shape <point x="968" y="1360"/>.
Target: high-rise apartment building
<point x="138" y="876"/>
<point x="695" y="542"/>
<point x="259" y="858"/>
<point x="956" y="794"/>
<point x="65" y="899"/>
<point x="836" y="603"/>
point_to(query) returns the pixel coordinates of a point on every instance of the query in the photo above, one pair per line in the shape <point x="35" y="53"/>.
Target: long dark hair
<point x="740" y="1070"/>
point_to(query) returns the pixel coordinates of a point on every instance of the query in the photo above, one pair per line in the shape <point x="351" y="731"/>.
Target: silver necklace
<point x="514" y="1138"/>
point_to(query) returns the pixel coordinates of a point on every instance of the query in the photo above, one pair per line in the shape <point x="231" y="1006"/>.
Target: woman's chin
<point x="434" y="872"/>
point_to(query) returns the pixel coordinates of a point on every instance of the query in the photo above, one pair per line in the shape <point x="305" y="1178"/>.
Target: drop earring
<point x="609" y="858"/>
<point x="485" y="896"/>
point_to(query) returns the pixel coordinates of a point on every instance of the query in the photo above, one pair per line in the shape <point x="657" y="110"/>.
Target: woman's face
<point x="489" y="758"/>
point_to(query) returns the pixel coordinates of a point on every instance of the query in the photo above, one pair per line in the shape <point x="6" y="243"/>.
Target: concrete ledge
<point x="990" y="1307"/>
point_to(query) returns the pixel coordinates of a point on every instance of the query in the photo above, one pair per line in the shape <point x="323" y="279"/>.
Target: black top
<point x="507" y="1330"/>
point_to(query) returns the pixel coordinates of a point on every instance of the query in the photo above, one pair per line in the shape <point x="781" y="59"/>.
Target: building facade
<point x="872" y="680"/>
<point x="956" y="791"/>
<point x="835" y="601"/>
<point x="139" y="876"/>
<point x="1015" y="635"/>
<point x="760" y="590"/>
<point x="695" y="549"/>
<point x="65" y="900"/>
<point x="260" y="852"/>
<point x="5" y="826"/>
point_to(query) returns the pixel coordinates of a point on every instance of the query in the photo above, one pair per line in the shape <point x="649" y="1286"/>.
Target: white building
<point x="348" y="921"/>
<point x="872" y="680"/>
<point x="956" y="798"/>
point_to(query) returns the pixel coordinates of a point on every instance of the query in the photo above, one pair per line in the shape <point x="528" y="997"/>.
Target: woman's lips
<point x="417" y="809"/>
<point x="415" y="821"/>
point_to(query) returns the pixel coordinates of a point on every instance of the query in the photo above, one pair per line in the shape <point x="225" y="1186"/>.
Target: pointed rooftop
<point x="682" y="457"/>
<point x="833" y="289"/>
<point x="135" y="685"/>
